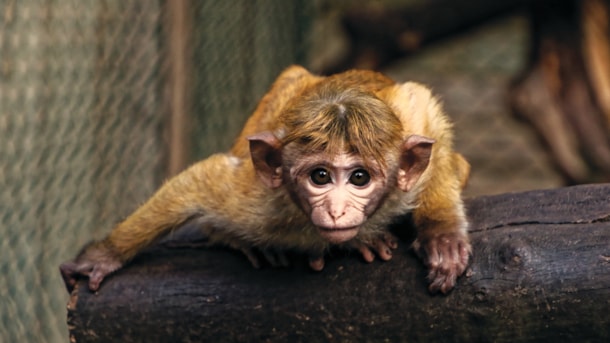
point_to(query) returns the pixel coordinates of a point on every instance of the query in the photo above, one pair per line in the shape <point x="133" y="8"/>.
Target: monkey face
<point x="338" y="193"/>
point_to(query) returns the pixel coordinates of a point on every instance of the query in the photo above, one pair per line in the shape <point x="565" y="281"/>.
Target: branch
<point x="540" y="272"/>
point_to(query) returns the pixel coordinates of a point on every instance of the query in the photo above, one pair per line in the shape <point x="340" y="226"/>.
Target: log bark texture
<point x="540" y="272"/>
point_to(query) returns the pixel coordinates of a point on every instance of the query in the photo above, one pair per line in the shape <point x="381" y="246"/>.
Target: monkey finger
<point x="283" y="259"/>
<point x="421" y="249"/>
<point x="71" y="271"/>
<point x="441" y="284"/>
<point x="251" y="255"/>
<point x="441" y="280"/>
<point x="465" y="252"/>
<point x="270" y="257"/>
<point x="461" y="262"/>
<point x="69" y="274"/>
<point x="390" y="240"/>
<point x="100" y="271"/>
<point x="276" y="259"/>
<point x="454" y="254"/>
<point x="383" y="250"/>
<point x="431" y="254"/>
<point x="95" y="279"/>
<point x="70" y="283"/>
<point x="366" y="252"/>
<point x="434" y="286"/>
<point x="316" y="263"/>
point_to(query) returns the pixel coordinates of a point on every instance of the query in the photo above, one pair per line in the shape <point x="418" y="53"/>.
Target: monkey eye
<point x="360" y="177"/>
<point x="320" y="176"/>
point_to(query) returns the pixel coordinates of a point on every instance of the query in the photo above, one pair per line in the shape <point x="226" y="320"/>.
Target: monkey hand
<point x="96" y="261"/>
<point x="382" y="245"/>
<point x="446" y="257"/>
<point x="275" y="258"/>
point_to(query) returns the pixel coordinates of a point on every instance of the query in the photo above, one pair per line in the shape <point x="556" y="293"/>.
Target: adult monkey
<point x="323" y="161"/>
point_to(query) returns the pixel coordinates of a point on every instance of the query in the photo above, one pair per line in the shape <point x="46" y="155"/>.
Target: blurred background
<point x="100" y="101"/>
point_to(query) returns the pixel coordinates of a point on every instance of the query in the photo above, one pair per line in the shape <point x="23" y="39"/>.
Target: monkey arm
<point x="192" y="194"/>
<point x="442" y="239"/>
<point x="439" y="216"/>
<point x="224" y="199"/>
<point x="202" y="192"/>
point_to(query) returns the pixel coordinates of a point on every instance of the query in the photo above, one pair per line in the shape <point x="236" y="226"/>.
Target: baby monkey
<point x="322" y="162"/>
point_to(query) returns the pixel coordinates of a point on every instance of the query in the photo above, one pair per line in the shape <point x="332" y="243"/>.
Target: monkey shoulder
<point x="418" y="109"/>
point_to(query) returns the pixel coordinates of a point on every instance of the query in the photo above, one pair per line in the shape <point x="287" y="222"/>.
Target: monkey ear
<point x="414" y="159"/>
<point x="266" y="153"/>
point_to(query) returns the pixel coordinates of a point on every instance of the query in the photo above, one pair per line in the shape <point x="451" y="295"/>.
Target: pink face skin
<point x="339" y="193"/>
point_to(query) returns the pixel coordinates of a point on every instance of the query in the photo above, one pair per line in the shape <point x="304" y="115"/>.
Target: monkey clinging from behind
<point x="323" y="161"/>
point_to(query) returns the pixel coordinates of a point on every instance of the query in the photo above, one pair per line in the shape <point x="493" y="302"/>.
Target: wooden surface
<point x="540" y="272"/>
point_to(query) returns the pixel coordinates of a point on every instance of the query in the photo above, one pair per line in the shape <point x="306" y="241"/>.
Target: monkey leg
<point x="445" y="249"/>
<point x="257" y="256"/>
<point x="442" y="238"/>
<point x="446" y="256"/>
<point x="96" y="261"/>
<point x="178" y="201"/>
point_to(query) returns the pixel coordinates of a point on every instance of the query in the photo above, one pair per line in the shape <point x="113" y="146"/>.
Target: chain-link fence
<point x="84" y="114"/>
<point x="79" y="123"/>
<point x="82" y="124"/>
<point x="240" y="51"/>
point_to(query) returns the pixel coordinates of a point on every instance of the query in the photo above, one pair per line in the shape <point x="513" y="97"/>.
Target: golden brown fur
<point x="359" y="113"/>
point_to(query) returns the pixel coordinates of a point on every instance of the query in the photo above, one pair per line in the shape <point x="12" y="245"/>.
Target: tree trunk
<point x="540" y="272"/>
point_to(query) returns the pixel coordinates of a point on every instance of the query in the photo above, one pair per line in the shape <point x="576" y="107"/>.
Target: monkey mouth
<point x="338" y="234"/>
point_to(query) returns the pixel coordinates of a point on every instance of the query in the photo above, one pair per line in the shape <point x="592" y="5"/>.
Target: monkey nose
<point x="336" y="212"/>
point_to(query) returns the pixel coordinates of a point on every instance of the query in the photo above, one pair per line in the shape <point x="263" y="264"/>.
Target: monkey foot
<point x="96" y="261"/>
<point x="382" y="246"/>
<point x="446" y="257"/>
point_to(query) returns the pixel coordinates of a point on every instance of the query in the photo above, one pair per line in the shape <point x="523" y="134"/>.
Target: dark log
<point x="540" y="273"/>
